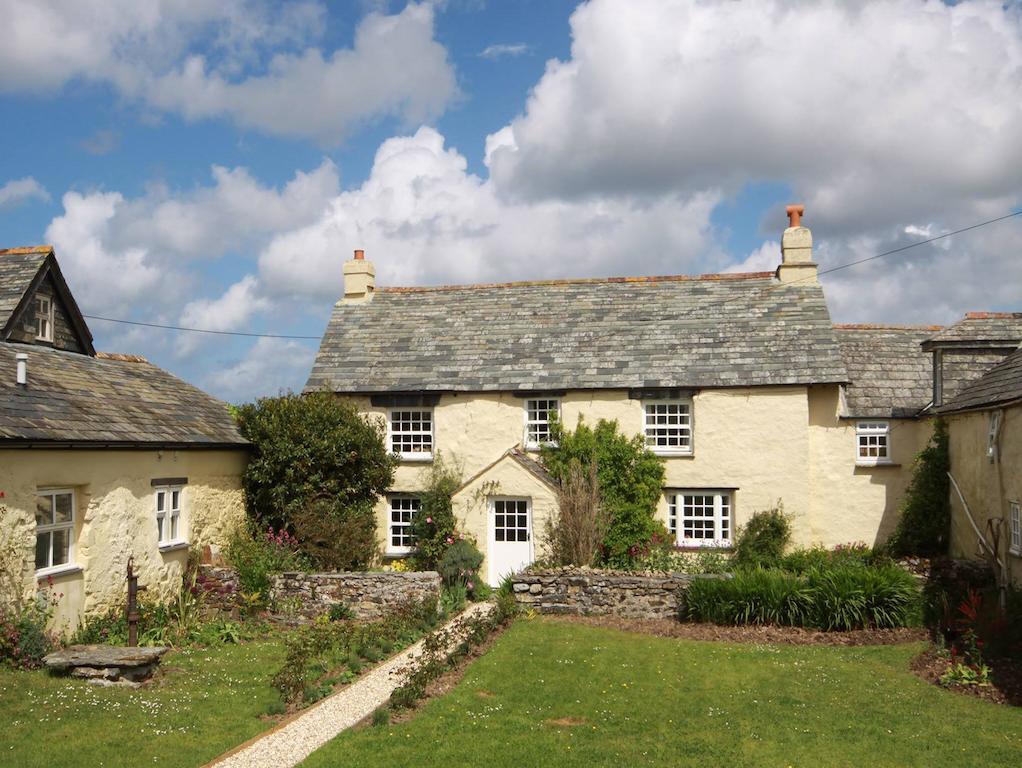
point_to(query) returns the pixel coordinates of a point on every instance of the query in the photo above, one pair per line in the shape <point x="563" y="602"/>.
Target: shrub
<point x="460" y="564"/>
<point x="336" y="536"/>
<point x="257" y="555"/>
<point x="576" y="533"/>
<point x="630" y="481"/>
<point x="24" y="639"/>
<point x="924" y="527"/>
<point x="340" y="612"/>
<point x="816" y="558"/>
<point x="666" y="558"/>
<point x="433" y="526"/>
<point x="308" y="448"/>
<point x="761" y="543"/>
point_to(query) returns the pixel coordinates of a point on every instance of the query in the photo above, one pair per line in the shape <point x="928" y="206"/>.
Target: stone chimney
<point x="359" y="279"/>
<point x="797" y="250"/>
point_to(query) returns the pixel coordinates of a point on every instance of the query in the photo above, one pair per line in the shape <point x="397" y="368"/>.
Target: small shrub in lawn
<point x="762" y="540"/>
<point x="276" y="707"/>
<point x="381" y="716"/>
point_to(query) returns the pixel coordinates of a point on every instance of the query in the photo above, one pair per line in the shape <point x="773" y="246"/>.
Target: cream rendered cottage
<point x="740" y="381"/>
<point x="102" y="456"/>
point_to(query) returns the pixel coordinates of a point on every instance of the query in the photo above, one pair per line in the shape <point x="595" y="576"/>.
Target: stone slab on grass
<point x="107" y="664"/>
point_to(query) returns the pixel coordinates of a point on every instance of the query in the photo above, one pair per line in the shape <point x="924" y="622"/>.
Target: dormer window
<point x="43" y="318"/>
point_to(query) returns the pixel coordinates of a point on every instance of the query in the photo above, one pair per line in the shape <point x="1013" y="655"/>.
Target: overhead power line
<point x="838" y="268"/>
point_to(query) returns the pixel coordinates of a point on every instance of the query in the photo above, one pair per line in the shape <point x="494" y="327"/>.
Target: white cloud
<point x="269" y="366"/>
<point x="422" y="219"/>
<point x="502" y="50"/>
<point x="19" y="191"/>
<point x="251" y="61"/>
<point x="146" y="252"/>
<point x="875" y="113"/>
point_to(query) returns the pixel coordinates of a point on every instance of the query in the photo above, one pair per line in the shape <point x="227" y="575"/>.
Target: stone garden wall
<point x="588" y="592"/>
<point x="369" y="595"/>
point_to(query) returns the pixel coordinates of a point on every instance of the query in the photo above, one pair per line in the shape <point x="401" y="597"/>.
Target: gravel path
<point x="297" y="739"/>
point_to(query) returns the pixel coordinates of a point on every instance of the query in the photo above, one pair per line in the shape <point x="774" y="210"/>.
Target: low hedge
<point x="842" y="598"/>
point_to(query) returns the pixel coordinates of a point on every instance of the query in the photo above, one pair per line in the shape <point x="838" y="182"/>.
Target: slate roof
<point x="677" y="331"/>
<point x="104" y="400"/>
<point x="890" y="376"/>
<point x="1002" y="384"/>
<point x="981" y="329"/>
<point x="18" y="267"/>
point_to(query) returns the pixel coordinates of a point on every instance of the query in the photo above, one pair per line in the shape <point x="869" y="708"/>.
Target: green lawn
<point x="640" y="700"/>
<point x="207" y="702"/>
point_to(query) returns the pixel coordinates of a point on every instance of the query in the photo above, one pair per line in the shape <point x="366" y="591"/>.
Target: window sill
<point x="58" y="570"/>
<point x="416" y="458"/>
<point x="876" y="464"/>
<point x="1015" y="552"/>
<point x="720" y="545"/>
<point x="397" y="554"/>
<point x="173" y="546"/>
<point x="673" y="454"/>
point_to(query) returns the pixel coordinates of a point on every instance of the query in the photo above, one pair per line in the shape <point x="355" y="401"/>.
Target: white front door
<point x="510" y="547"/>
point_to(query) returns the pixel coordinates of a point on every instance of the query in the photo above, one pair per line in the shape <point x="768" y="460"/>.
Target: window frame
<point x="412" y="456"/>
<point x="687" y="403"/>
<point x="1015" y="528"/>
<point x="45" y="316"/>
<point x="535" y="445"/>
<point x="993" y="432"/>
<point x="723" y="513"/>
<point x="177" y="515"/>
<point x="391" y="548"/>
<point x="868" y="428"/>
<point x="49" y="528"/>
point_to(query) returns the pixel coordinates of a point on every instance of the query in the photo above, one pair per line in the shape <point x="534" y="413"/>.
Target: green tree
<point x="630" y="481"/>
<point x="924" y="527"/>
<point x="434" y="528"/>
<point x="314" y="455"/>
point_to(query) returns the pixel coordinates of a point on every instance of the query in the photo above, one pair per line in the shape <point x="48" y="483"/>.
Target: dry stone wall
<point x="587" y="592"/>
<point x="369" y="595"/>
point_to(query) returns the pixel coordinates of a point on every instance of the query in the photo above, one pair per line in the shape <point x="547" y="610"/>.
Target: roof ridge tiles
<point x="27" y="249"/>
<point x="885" y="327"/>
<point x="993" y="315"/>
<point x="121" y="357"/>
<point x="717" y="277"/>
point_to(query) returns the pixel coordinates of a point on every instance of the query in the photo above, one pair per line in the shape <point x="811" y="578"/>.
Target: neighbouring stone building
<point x="985" y="446"/>
<point x="740" y="381"/>
<point x="102" y="456"/>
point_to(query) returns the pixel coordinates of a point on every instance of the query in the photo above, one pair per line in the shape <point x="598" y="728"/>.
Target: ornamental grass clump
<point x="837" y="599"/>
<point x="751" y="597"/>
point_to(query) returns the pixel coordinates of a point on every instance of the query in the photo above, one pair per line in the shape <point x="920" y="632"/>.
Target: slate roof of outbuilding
<point x="981" y="329"/>
<point x="1000" y="385"/>
<point x="18" y="267"/>
<point x="890" y="376"/>
<point x="109" y="399"/>
<point x="676" y="331"/>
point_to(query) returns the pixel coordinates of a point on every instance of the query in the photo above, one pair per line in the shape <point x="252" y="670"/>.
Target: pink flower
<point x="450" y="540"/>
<point x="429" y="519"/>
<point x="469" y="585"/>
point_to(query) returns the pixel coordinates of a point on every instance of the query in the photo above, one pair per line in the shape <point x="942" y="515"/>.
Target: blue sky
<point x="212" y="164"/>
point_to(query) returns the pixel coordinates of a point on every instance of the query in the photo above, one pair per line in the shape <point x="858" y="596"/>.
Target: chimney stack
<point x="22" y="375"/>
<point x="797" y="250"/>
<point x="359" y="279"/>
